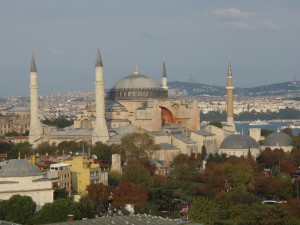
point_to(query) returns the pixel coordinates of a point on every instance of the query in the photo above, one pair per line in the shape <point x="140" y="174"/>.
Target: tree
<point x="202" y="210"/>
<point x="60" y="193"/>
<point x="12" y="134"/>
<point x="114" y="178"/>
<point x="136" y="146"/>
<point x="57" y="211"/>
<point x="87" y="207"/>
<point x="216" y="123"/>
<point x="102" y="151"/>
<point x="203" y="152"/>
<point x="46" y="148"/>
<point x="130" y="193"/>
<point x="19" y="209"/>
<point x="138" y="174"/>
<point x="99" y="193"/>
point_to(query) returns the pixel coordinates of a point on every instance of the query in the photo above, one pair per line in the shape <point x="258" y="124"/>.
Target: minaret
<point x="35" y="131"/>
<point x="100" y="132"/>
<point x="164" y="77"/>
<point x="229" y="89"/>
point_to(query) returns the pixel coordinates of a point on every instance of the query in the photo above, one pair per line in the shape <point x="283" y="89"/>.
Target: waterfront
<point x="270" y="125"/>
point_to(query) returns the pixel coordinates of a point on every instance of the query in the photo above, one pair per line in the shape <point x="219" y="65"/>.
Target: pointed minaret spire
<point x="164" y="76"/>
<point x="98" y="59"/>
<point x="100" y="132"/>
<point x="35" y="130"/>
<point x="229" y="67"/>
<point x="229" y="100"/>
<point x="33" y="66"/>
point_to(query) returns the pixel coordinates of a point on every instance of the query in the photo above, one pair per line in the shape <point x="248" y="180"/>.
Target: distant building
<point x="17" y="119"/>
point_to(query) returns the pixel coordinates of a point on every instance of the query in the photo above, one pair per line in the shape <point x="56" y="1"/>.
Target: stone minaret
<point x="229" y="89"/>
<point x="164" y="77"/>
<point x="100" y="132"/>
<point x="35" y="131"/>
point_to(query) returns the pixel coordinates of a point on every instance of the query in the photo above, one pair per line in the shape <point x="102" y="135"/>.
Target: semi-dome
<point x="239" y="141"/>
<point x="136" y="86"/>
<point x="136" y="81"/>
<point x="278" y="139"/>
<point x="19" y="168"/>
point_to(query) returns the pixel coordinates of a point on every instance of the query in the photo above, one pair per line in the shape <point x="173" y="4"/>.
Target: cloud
<point x="232" y="14"/>
<point x="243" y="20"/>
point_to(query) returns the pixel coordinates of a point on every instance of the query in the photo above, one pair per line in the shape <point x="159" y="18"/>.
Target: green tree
<point x="202" y="211"/>
<point x="46" y="148"/>
<point x="87" y="207"/>
<point x="19" y="209"/>
<point x="57" y="211"/>
<point x="59" y="122"/>
<point x="203" y="152"/>
<point x="114" y="178"/>
<point x="136" y="173"/>
<point x="216" y="123"/>
<point x="137" y="146"/>
<point x="12" y="134"/>
<point x="60" y="193"/>
<point x="102" y="151"/>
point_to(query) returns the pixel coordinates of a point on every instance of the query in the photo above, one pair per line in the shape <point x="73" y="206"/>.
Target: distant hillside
<point x="198" y="89"/>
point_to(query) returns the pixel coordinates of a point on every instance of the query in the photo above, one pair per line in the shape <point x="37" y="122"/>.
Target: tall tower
<point x="229" y="89"/>
<point x="100" y="132"/>
<point x="35" y="131"/>
<point x="164" y="77"/>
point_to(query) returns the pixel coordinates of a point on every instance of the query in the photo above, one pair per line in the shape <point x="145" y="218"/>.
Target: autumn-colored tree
<point x="293" y="205"/>
<point x="213" y="179"/>
<point x="271" y="187"/>
<point x="130" y="193"/>
<point x="288" y="166"/>
<point x="99" y="193"/>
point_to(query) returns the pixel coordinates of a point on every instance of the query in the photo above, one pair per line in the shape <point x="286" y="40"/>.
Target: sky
<point x="194" y="38"/>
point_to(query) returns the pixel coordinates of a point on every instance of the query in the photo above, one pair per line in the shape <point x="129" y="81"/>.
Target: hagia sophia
<point x="137" y="103"/>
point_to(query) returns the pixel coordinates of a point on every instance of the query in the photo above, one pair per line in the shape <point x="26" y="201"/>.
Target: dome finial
<point x="136" y="72"/>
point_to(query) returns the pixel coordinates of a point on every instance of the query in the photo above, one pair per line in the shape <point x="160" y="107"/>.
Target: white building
<point x="21" y="177"/>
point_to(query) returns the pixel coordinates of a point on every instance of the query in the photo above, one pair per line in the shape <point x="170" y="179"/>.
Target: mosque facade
<point x="136" y="103"/>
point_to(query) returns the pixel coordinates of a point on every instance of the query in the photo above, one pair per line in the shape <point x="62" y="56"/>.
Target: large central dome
<point x="136" y="81"/>
<point x="136" y="86"/>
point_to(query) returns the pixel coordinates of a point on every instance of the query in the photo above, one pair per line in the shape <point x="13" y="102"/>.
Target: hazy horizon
<point x="194" y="37"/>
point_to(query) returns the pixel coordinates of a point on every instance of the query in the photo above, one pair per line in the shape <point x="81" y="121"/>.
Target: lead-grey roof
<point x="132" y="219"/>
<point x="184" y="138"/>
<point x="19" y="168"/>
<point x="278" y="139"/>
<point x="70" y="131"/>
<point x="136" y="81"/>
<point x="239" y="141"/>
<point x="167" y="146"/>
<point x="203" y="133"/>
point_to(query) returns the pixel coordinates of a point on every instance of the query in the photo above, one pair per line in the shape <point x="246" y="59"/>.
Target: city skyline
<point x="194" y="38"/>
